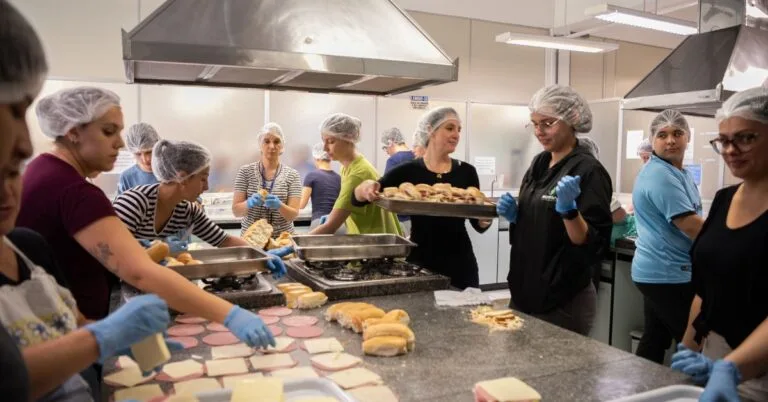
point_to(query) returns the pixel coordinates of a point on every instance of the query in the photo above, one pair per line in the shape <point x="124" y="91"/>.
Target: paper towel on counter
<point x="468" y="297"/>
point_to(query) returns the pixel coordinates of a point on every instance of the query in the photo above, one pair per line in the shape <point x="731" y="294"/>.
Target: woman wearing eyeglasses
<point x="726" y="342"/>
<point x="560" y="225"/>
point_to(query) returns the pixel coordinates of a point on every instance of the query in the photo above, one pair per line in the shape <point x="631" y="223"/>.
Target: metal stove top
<point x="229" y="285"/>
<point x="344" y="273"/>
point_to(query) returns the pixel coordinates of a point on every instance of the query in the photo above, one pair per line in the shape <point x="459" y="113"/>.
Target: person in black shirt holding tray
<point x="726" y="342"/>
<point x="443" y="243"/>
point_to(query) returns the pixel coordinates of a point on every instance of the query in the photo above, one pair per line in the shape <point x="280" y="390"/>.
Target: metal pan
<point x="405" y="207"/>
<point x="351" y="247"/>
<point x="218" y="262"/>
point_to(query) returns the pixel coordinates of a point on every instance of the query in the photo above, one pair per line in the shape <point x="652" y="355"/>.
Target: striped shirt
<point x="137" y="207"/>
<point x="287" y="184"/>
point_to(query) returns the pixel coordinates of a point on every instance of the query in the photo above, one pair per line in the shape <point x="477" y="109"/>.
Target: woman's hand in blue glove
<point x="723" y="383"/>
<point x="692" y="363"/>
<point x="249" y="328"/>
<point x="567" y="191"/>
<point x="272" y="202"/>
<point x="255" y="201"/>
<point x="507" y="208"/>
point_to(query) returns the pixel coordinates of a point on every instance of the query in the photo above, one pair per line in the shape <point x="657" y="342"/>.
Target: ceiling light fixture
<point x="560" y="43"/>
<point x="641" y="19"/>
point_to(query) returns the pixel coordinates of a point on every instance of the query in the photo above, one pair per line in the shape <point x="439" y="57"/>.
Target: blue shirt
<point x="662" y="194"/>
<point x="325" y="185"/>
<point x="134" y="176"/>
<point x="395" y="160"/>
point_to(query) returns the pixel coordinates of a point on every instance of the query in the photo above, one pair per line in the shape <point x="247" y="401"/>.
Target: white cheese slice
<point x="182" y="398"/>
<point x="281" y="344"/>
<point x="128" y="377"/>
<point x="258" y="390"/>
<point x="140" y="393"/>
<point x="355" y="377"/>
<point x="182" y="369"/>
<point x="151" y="352"/>
<point x="232" y="380"/>
<point x="317" y="399"/>
<point x="296" y="372"/>
<point x="230" y="351"/>
<point x="509" y="389"/>
<point x="272" y="361"/>
<point x="375" y="393"/>
<point x="192" y="387"/>
<point x="125" y="362"/>
<point x="335" y="361"/>
<point x="323" y="345"/>
<point x="215" y="368"/>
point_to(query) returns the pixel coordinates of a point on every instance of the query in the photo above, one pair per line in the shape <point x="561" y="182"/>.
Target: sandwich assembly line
<point x="382" y="200"/>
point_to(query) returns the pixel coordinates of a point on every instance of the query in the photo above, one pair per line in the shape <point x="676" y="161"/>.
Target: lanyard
<point x="271" y="186"/>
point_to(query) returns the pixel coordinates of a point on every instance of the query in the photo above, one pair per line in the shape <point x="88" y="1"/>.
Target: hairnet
<point x="750" y="104"/>
<point x="175" y="161"/>
<point x="342" y="126"/>
<point x="271" y="129"/>
<point x="22" y="61"/>
<point x="669" y="118"/>
<point x="431" y="121"/>
<point x="418" y="139"/>
<point x="645" y="146"/>
<point x="563" y="103"/>
<point x="590" y="145"/>
<point x="60" y="112"/>
<point x="392" y="136"/>
<point x="318" y="152"/>
<point x="141" y="137"/>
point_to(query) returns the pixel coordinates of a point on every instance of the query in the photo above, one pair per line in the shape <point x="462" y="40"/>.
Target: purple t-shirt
<point x="325" y="185"/>
<point x="57" y="203"/>
<point x="397" y="159"/>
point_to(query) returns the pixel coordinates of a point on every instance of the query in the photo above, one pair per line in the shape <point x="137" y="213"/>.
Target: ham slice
<point x="269" y="319"/>
<point x="190" y="319"/>
<point x="300" y="321"/>
<point x="186" y="341"/>
<point x="276" y="311"/>
<point x="304" y="332"/>
<point x="216" y="327"/>
<point x="220" y="339"/>
<point x="276" y="331"/>
<point x="186" y="330"/>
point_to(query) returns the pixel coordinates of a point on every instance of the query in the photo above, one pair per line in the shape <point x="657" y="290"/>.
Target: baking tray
<point x="294" y="390"/>
<point x="218" y="262"/>
<point x="351" y="247"/>
<point x="672" y="393"/>
<point x="405" y="207"/>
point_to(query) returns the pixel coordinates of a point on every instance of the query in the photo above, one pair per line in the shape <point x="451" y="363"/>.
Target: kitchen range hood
<point x="345" y="46"/>
<point x="729" y="54"/>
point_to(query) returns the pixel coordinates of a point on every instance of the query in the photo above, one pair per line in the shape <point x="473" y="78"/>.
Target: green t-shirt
<point x="369" y="219"/>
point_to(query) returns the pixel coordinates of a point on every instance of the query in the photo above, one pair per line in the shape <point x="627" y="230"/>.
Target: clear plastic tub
<point x="672" y="393"/>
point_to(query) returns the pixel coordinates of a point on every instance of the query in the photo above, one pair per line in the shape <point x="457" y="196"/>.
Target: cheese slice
<point x="317" y="399"/>
<point x="128" y="377"/>
<point x="182" y="398"/>
<point x="192" y="387"/>
<point x="281" y="344"/>
<point x="296" y="372"/>
<point x="151" y="352"/>
<point x="182" y="369"/>
<point x="375" y="393"/>
<point x="140" y="393"/>
<point x="508" y="389"/>
<point x="335" y="361"/>
<point x="323" y="345"/>
<point x="215" y="368"/>
<point x="355" y="377"/>
<point x="272" y="361"/>
<point x="230" y="351"/>
<point x="232" y="380"/>
<point x="125" y="362"/>
<point x="259" y="390"/>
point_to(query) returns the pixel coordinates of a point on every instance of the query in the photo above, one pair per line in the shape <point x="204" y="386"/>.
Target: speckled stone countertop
<point x="452" y="354"/>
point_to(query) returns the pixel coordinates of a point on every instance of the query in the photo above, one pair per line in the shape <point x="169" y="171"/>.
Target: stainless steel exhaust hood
<point x="345" y="46"/>
<point x="728" y="55"/>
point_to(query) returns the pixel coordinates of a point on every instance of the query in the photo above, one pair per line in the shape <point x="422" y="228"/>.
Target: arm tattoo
<point x="103" y="253"/>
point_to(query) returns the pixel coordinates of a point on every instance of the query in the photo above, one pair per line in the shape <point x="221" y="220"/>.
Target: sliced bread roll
<point x="391" y="329"/>
<point x="311" y="300"/>
<point x="354" y="319"/>
<point x="385" y="346"/>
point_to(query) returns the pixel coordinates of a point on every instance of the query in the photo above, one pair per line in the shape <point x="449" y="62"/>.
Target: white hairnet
<point x="750" y="104"/>
<point x="141" y="137"/>
<point x="22" y="61"/>
<point x="590" y="145"/>
<point x="645" y="146"/>
<point x="563" y="103"/>
<point x="271" y="129"/>
<point x="60" y="112"/>
<point x="392" y="136"/>
<point x="431" y="121"/>
<point x="318" y="152"/>
<point x="669" y="118"/>
<point x="342" y="126"/>
<point x="175" y="161"/>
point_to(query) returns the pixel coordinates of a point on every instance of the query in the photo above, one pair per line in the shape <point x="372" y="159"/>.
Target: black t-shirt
<point x="546" y="269"/>
<point x="14" y="379"/>
<point x="729" y="273"/>
<point x="443" y="243"/>
<point x="36" y="249"/>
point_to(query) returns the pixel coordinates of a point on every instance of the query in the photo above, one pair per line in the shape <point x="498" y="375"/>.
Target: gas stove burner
<point x="343" y="274"/>
<point x="231" y="283"/>
<point x="362" y="270"/>
<point x="323" y="265"/>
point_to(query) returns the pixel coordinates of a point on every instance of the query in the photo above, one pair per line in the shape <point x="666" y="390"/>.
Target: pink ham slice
<point x="216" y="327"/>
<point x="269" y="319"/>
<point x="276" y="331"/>
<point x="185" y="330"/>
<point x="186" y="341"/>
<point x="300" y="321"/>
<point x="276" y="311"/>
<point x="220" y="339"/>
<point x="190" y="319"/>
<point x="304" y="332"/>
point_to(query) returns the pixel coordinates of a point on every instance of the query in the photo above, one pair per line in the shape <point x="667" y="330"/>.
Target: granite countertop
<point x="452" y="354"/>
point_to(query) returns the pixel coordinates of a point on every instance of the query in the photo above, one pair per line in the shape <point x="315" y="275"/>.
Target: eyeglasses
<point x="544" y="125"/>
<point x="742" y="142"/>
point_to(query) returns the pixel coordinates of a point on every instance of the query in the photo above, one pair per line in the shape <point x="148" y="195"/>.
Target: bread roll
<point x="184" y="257"/>
<point x="293" y="294"/>
<point x="477" y="196"/>
<point x="425" y="189"/>
<point x="385" y="346"/>
<point x="410" y="190"/>
<point x="259" y="233"/>
<point x="333" y="312"/>
<point x="283" y="286"/>
<point x="390" y="191"/>
<point x="344" y="315"/>
<point x="311" y="300"/>
<point x="192" y="262"/>
<point x="393" y="329"/>
<point x="357" y="318"/>
<point x="172" y="262"/>
<point x="158" y="251"/>
<point x="398" y="315"/>
<point x="263" y="193"/>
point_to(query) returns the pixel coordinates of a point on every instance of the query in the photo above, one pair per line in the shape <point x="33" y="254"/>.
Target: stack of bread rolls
<point x="385" y="334"/>
<point x="160" y="253"/>
<point x="259" y="234"/>
<point x="282" y="241"/>
<point x="301" y="296"/>
<point x="439" y="192"/>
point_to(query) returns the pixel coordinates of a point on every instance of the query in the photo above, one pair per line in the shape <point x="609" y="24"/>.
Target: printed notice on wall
<point x="634" y="138"/>
<point x="485" y="165"/>
<point x="695" y="171"/>
<point x="124" y="160"/>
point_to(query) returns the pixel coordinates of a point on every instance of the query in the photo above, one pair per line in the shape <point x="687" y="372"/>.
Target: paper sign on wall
<point x="485" y="165"/>
<point x="634" y="138"/>
<point x="419" y="102"/>
<point x="124" y="161"/>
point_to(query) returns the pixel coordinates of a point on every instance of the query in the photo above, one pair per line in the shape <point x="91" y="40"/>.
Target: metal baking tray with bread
<point x="437" y="200"/>
<point x="218" y="262"/>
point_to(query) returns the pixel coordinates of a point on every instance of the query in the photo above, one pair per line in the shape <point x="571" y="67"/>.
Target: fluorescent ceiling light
<point x="754" y="11"/>
<point x="641" y="19"/>
<point x="550" y="42"/>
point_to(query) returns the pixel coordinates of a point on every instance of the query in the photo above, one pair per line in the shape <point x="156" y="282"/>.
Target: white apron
<point x="38" y="310"/>
<point x="715" y="347"/>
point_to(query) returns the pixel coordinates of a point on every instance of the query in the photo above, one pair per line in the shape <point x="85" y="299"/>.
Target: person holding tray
<point x="560" y="225"/>
<point x="443" y="243"/>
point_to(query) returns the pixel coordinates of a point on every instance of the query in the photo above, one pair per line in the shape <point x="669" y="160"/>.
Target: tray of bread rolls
<point x="219" y="262"/>
<point x="440" y="199"/>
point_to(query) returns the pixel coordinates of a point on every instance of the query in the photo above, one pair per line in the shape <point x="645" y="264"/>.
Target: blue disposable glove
<point x="282" y="251"/>
<point x="567" y="191"/>
<point x="141" y="317"/>
<point x="249" y="328"/>
<point x="507" y="208"/>
<point x="272" y="202"/>
<point x="323" y="219"/>
<point x="255" y="201"/>
<point x="177" y="244"/>
<point x="692" y="363"/>
<point x="723" y="383"/>
<point x="276" y="265"/>
<point x="145" y="243"/>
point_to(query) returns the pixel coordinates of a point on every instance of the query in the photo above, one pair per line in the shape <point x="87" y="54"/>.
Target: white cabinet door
<point x="486" y="251"/>
<point x="601" y="327"/>
<point x="504" y="249"/>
